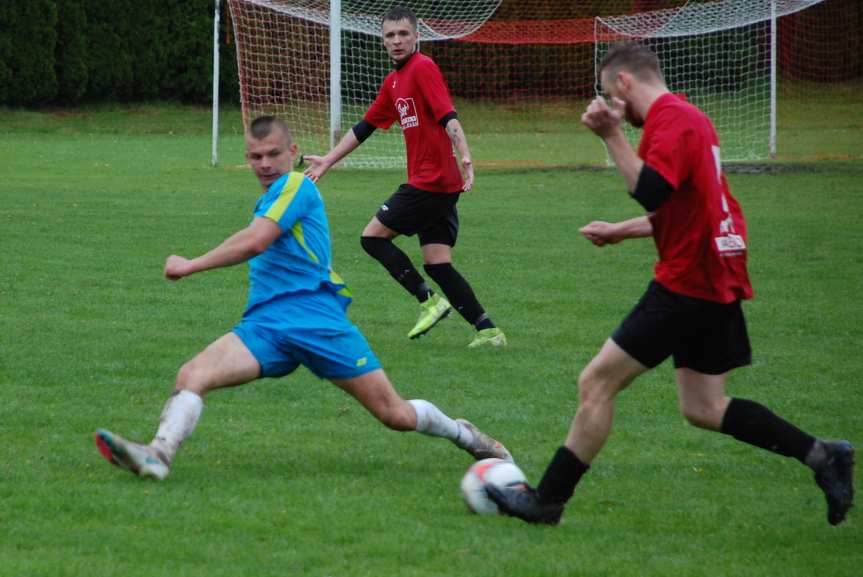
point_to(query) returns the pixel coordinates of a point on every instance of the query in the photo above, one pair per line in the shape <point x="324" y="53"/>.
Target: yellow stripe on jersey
<point x="297" y="231"/>
<point x="289" y="191"/>
<point x="337" y="280"/>
<point x="277" y="210"/>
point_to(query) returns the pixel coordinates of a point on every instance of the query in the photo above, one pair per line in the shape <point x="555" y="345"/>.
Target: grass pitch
<point x="291" y="477"/>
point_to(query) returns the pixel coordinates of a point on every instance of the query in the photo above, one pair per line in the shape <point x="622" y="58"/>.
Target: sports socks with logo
<point x="757" y="425"/>
<point x="744" y="420"/>
<point x="454" y="286"/>
<point x="178" y="420"/>
<point x="459" y="294"/>
<point x="432" y="421"/>
<point x="397" y="264"/>
<point x="561" y="476"/>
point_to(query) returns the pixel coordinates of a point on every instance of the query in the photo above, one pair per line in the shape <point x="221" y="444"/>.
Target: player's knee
<point x="594" y="387"/>
<point x="192" y="378"/>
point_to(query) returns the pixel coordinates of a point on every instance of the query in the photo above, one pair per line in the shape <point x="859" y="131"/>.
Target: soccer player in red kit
<point x="416" y="95"/>
<point x="691" y="311"/>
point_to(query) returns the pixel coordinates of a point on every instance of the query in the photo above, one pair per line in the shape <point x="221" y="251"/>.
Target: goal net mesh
<point x="283" y="59"/>
<point x="522" y="71"/>
<point x="718" y="54"/>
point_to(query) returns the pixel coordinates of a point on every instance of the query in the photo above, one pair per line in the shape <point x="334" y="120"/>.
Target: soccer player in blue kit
<point x="296" y="315"/>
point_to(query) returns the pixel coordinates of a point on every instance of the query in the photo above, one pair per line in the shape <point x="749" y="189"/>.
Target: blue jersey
<point x="300" y="259"/>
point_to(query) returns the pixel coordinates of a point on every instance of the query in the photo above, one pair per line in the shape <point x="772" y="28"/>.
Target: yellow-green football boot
<point x="492" y="337"/>
<point x="433" y="310"/>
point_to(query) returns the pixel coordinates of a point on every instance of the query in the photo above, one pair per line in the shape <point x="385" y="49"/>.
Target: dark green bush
<point x="70" y="54"/>
<point x="73" y="51"/>
<point x="28" y="32"/>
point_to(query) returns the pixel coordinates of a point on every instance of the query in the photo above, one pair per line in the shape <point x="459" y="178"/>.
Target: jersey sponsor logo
<point x="407" y="112"/>
<point x="730" y="244"/>
<point x="384" y="207"/>
<point x="362" y="361"/>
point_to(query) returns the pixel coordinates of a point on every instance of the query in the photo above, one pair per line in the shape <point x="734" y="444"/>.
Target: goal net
<point x="721" y="55"/>
<point x="820" y="89"/>
<point x="286" y="65"/>
<point x="522" y="71"/>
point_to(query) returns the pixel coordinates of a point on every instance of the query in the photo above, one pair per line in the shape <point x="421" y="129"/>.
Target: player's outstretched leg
<point x="143" y="460"/>
<point x="153" y="461"/>
<point x="832" y="461"/>
<point x="432" y="421"/>
<point x="377" y="394"/>
<point x="835" y="478"/>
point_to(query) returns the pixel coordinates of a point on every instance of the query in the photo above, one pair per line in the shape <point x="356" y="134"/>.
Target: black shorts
<point x="701" y="335"/>
<point x="431" y="215"/>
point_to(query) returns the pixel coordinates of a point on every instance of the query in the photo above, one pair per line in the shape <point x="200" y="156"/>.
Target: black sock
<point x="483" y="322"/>
<point x="561" y="476"/>
<point x="459" y="293"/>
<point x="397" y="264"/>
<point x="757" y="425"/>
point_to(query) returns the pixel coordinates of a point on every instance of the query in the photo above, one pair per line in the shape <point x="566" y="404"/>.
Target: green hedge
<point x="75" y="51"/>
<point x="27" y="39"/>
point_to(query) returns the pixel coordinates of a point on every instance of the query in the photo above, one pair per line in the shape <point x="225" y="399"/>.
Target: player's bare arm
<point x="459" y="141"/>
<point x="239" y="247"/>
<point x="604" y="121"/>
<point x="319" y="165"/>
<point x="602" y="233"/>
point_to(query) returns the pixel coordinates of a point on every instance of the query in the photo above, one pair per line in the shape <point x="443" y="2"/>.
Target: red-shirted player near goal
<point x="416" y="95"/>
<point x="691" y="311"/>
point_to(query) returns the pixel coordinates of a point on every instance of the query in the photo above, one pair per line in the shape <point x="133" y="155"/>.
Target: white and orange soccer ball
<point x="492" y="471"/>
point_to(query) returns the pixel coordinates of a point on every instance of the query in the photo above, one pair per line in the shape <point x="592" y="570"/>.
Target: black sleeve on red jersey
<point x="363" y="129"/>
<point x="447" y="117"/>
<point x="651" y="190"/>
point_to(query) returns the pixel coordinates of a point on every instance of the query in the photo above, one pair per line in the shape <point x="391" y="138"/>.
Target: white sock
<point x="178" y="420"/>
<point x="432" y="421"/>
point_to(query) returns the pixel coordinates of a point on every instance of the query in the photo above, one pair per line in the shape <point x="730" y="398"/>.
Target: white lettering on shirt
<point x="728" y="243"/>
<point x="407" y="112"/>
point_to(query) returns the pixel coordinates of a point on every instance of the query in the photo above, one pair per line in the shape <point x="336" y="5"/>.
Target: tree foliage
<point x="74" y="51"/>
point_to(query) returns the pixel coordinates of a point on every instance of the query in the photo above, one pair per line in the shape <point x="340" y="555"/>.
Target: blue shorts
<point x="310" y="329"/>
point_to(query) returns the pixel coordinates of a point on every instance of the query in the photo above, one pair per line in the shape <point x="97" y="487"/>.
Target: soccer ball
<point x="492" y="471"/>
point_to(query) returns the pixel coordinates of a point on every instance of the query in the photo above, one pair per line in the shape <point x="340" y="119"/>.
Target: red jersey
<point x="699" y="231"/>
<point x="417" y="96"/>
